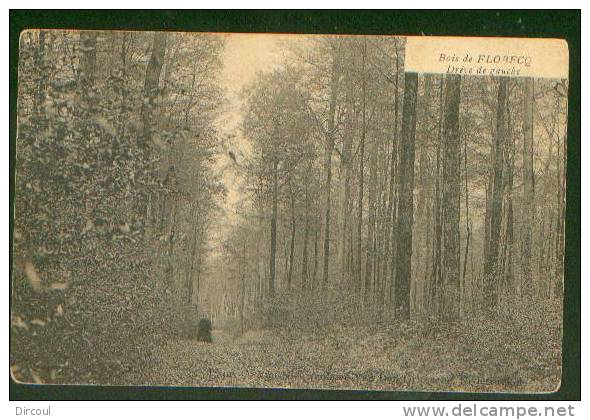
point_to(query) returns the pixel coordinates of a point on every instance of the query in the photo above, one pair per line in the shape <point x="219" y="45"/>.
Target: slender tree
<point x="305" y="257"/>
<point x="329" y="150"/>
<point x="491" y="260"/>
<point x="361" y="188"/>
<point x="529" y="188"/>
<point x="273" y="227"/>
<point x="152" y="80"/>
<point x="403" y="274"/>
<point x="451" y="197"/>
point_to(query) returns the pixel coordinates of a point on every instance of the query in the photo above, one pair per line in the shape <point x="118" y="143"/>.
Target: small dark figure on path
<point x="204" y="330"/>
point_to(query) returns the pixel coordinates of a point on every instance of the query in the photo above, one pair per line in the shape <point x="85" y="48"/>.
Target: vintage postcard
<point x="289" y="211"/>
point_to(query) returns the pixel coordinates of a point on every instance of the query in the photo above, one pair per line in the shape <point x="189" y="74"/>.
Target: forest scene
<point x="284" y="211"/>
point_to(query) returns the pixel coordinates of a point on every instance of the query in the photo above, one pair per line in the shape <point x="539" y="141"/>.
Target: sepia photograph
<point x="343" y="212"/>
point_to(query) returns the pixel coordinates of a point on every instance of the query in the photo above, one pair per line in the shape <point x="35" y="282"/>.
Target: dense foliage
<point x="113" y="197"/>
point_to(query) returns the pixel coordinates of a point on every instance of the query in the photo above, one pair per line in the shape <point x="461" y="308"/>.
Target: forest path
<point x="261" y="359"/>
<point x="343" y="359"/>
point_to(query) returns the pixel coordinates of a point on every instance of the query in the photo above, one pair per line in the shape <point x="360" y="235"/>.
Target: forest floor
<point x="460" y="357"/>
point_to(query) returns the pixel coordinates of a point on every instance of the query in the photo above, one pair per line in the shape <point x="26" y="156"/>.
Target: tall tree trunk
<point x="345" y="176"/>
<point x="314" y="278"/>
<point x="405" y="220"/>
<point x="467" y="221"/>
<point x="168" y="208"/>
<point x="508" y="269"/>
<point x="488" y="208"/>
<point x="334" y="76"/>
<point x="491" y="260"/>
<point x="243" y="287"/>
<point x="528" y="209"/>
<point x="259" y="274"/>
<point x="192" y="256"/>
<point x="304" y="269"/>
<point x="393" y="180"/>
<point x="436" y="281"/>
<point x="151" y="82"/>
<point x="150" y="89"/>
<point x="359" y="265"/>
<point x="558" y="284"/>
<point x="370" y="262"/>
<point x="169" y="274"/>
<point x="198" y="285"/>
<point x="285" y="259"/>
<point x="421" y="256"/>
<point x="292" y="245"/>
<point x="154" y="67"/>
<point x="451" y="198"/>
<point x="273" y="228"/>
